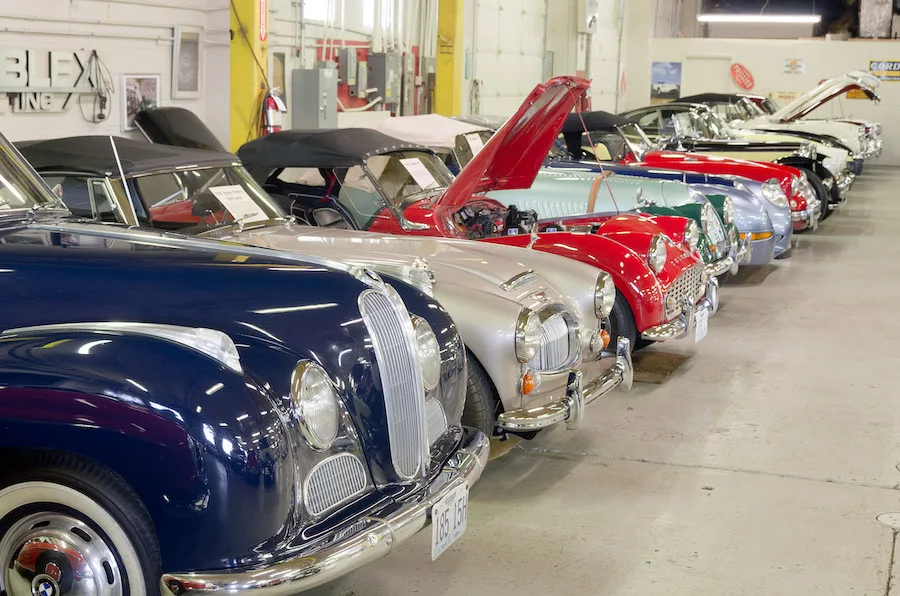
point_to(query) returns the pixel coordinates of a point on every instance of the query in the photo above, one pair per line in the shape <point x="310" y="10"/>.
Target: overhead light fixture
<point x="796" y="19"/>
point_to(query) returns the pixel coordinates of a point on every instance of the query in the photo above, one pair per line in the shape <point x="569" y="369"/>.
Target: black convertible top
<point x="711" y="98"/>
<point x="321" y="148"/>
<point x="594" y="121"/>
<point x="94" y="155"/>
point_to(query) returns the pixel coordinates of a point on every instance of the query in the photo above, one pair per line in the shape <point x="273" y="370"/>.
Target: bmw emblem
<point x="44" y="585"/>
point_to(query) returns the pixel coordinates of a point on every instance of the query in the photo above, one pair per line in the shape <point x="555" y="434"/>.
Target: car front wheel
<point x="67" y="523"/>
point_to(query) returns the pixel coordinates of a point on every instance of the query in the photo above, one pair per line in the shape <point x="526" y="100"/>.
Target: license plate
<point x="701" y="324"/>
<point x="448" y="519"/>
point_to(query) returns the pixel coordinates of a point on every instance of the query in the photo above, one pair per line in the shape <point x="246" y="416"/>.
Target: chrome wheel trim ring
<point x="101" y="573"/>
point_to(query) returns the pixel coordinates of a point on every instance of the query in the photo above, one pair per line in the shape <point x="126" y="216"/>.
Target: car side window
<point x="359" y="196"/>
<point x="85" y="197"/>
<point x="650" y="122"/>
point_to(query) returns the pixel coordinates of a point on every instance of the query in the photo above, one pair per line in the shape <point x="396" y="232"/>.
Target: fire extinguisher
<point x="274" y="108"/>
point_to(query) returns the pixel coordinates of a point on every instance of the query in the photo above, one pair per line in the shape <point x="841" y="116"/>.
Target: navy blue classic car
<point x="191" y="416"/>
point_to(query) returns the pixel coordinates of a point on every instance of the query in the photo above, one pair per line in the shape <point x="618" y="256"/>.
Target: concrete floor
<point x="758" y="468"/>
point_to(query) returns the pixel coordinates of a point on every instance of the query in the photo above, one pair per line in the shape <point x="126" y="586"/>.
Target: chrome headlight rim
<point x="604" y="295"/>
<point x="319" y="429"/>
<point x="772" y="192"/>
<point x="658" y="253"/>
<point x="527" y="336"/>
<point x="728" y="210"/>
<point x="691" y="236"/>
<point x="429" y="351"/>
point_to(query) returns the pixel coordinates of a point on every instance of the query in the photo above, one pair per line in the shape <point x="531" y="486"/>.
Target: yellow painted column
<point x="450" y="57"/>
<point x="249" y="67"/>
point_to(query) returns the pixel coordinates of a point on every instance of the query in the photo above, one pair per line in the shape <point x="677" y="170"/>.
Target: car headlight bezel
<point x="691" y="236"/>
<point x="604" y="295"/>
<point x="527" y="336"/>
<point x="728" y="210"/>
<point x="429" y="351"/>
<point x="772" y="192"/>
<point x="658" y="253"/>
<point x="316" y="405"/>
<point x="707" y="218"/>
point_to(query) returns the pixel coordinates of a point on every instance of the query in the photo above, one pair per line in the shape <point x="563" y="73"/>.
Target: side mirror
<point x="641" y="200"/>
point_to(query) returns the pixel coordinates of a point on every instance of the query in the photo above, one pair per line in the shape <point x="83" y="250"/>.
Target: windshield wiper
<point x="33" y="211"/>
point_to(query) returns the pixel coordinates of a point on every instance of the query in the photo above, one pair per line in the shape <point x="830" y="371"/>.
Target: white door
<point x="702" y="74"/>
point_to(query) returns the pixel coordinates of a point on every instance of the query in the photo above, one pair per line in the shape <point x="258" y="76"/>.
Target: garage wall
<point x="765" y="60"/>
<point x="130" y="36"/>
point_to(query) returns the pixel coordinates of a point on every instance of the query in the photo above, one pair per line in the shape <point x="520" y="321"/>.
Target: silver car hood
<point x="452" y="261"/>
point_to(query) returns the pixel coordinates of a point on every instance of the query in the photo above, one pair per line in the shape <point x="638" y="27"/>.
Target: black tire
<point x="101" y="487"/>
<point x="482" y="404"/>
<point x="821" y="192"/>
<point x="620" y="323"/>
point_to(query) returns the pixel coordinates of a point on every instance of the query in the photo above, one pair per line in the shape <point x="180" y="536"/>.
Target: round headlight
<point x="728" y="210"/>
<point x="604" y="295"/>
<point x="429" y="353"/>
<point x="528" y="335"/>
<point x="708" y="219"/>
<point x="772" y="192"/>
<point x="315" y="404"/>
<point x="657" y="256"/>
<point x="691" y="235"/>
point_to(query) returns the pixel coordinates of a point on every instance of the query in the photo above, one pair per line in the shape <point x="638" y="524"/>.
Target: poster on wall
<point x="886" y="70"/>
<point x="665" y="82"/>
<point x="794" y="66"/>
<point x="186" y="62"/>
<point x="139" y="92"/>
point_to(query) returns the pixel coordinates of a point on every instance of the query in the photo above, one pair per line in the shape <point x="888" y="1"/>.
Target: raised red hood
<point x="512" y="157"/>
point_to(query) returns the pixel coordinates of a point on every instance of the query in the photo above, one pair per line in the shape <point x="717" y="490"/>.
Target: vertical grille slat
<point x="399" y="368"/>
<point x="555" y="345"/>
<point x="686" y="285"/>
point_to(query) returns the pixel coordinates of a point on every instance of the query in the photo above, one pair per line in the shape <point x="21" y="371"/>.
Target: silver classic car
<point x="532" y="322"/>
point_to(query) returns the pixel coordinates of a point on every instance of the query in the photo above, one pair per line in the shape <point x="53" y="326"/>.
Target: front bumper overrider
<point x="376" y="540"/>
<point x="680" y="327"/>
<point x="570" y="409"/>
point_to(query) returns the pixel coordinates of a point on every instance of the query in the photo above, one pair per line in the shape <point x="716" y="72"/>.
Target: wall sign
<point x="139" y="92"/>
<point x="886" y="70"/>
<point x="42" y="80"/>
<point x="742" y="77"/>
<point x="794" y="66"/>
<point x="665" y="82"/>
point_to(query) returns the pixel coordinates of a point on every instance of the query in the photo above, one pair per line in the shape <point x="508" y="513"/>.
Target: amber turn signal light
<point x="527" y="383"/>
<point x="758" y="235"/>
<point x="604" y="335"/>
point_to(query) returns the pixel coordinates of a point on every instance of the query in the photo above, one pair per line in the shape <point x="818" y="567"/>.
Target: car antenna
<point x="112" y="141"/>
<point x="604" y="174"/>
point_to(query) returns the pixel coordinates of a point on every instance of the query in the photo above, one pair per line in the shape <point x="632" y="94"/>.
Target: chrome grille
<point x="556" y="347"/>
<point x="686" y="286"/>
<point x="435" y="420"/>
<point x="401" y="380"/>
<point x="333" y="481"/>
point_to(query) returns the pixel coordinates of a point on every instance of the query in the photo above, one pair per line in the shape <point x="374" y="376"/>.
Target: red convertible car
<point x="626" y="143"/>
<point x="366" y="180"/>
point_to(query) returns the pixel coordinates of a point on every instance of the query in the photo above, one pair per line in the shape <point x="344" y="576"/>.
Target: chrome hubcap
<point x="55" y="554"/>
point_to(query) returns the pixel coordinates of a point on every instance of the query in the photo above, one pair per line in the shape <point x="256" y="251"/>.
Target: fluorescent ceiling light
<point x="803" y="19"/>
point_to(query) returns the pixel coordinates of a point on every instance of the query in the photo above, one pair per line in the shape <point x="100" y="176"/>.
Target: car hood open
<point x="512" y="157"/>
<point x="825" y="92"/>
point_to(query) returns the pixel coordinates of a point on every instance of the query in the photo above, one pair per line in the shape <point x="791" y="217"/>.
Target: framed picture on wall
<point x="139" y="92"/>
<point x="186" y="61"/>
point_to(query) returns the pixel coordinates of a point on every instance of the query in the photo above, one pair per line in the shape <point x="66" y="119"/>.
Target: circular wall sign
<point x="741" y="76"/>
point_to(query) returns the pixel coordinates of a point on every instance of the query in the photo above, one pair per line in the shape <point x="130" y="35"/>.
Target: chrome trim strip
<point x="379" y="538"/>
<point x="517" y="280"/>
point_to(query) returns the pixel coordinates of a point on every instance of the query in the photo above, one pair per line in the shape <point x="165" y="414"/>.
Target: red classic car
<point x="625" y="142"/>
<point x="366" y="180"/>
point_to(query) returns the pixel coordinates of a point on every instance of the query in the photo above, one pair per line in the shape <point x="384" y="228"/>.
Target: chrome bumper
<point x="682" y="325"/>
<point x="377" y="540"/>
<point x="720" y="267"/>
<point x="570" y="409"/>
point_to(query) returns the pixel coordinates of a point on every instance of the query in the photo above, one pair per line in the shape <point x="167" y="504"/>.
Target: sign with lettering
<point x="741" y="76"/>
<point x="886" y="70"/>
<point x="43" y="80"/>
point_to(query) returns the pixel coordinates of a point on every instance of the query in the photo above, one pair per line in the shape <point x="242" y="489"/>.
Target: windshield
<point x="403" y="176"/>
<point x="468" y="145"/>
<point x="636" y="139"/>
<point x="20" y="186"/>
<point x="198" y="200"/>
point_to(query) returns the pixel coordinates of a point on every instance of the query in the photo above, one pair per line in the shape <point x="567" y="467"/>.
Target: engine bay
<point x="487" y="220"/>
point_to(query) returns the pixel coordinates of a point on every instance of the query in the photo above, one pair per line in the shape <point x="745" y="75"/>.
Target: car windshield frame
<point x="236" y="175"/>
<point x="639" y="150"/>
<point x="19" y="179"/>
<point x="401" y="201"/>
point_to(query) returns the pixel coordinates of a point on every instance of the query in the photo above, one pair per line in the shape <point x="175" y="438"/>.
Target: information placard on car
<point x="419" y="172"/>
<point x="701" y="324"/>
<point x="238" y="203"/>
<point x="448" y="519"/>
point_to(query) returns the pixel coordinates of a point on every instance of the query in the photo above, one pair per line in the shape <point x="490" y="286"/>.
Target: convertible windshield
<point x="403" y="175"/>
<point x="469" y="144"/>
<point x="197" y="200"/>
<point x="636" y="140"/>
<point x="20" y="186"/>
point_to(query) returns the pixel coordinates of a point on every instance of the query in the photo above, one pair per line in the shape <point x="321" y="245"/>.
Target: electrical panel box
<point x="588" y="16"/>
<point x="314" y="98"/>
<point x="384" y="74"/>
<point x="427" y="72"/>
<point x="362" y="79"/>
<point x="347" y="66"/>
<point x="408" y="85"/>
